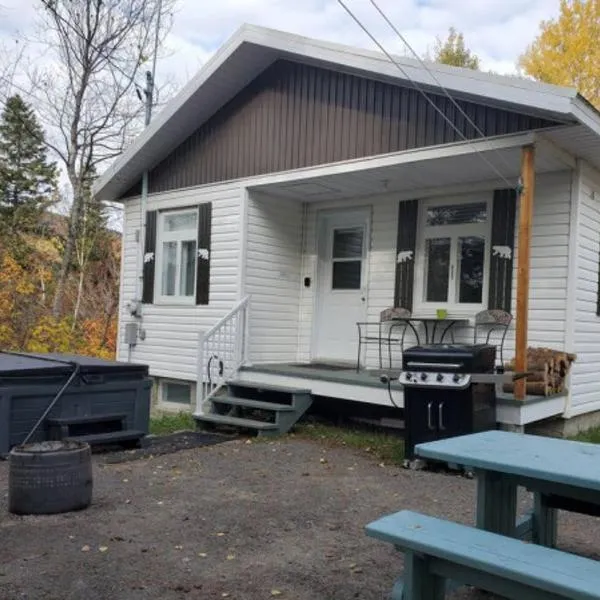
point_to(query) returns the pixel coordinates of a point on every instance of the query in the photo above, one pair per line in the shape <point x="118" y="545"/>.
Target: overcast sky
<point x="496" y="30"/>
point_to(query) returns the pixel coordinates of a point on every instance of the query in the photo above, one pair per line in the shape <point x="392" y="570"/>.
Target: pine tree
<point x="27" y="178"/>
<point x="453" y="51"/>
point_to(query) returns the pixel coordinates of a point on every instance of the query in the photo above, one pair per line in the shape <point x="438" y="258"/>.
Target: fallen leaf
<point x="220" y="534"/>
<point x="125" y="480"/>
<point x="178" y="547"/>
<point x="202" y="554"/>
<point x="128" y="501"/>
<point x="323" y="461"/>
<point x="160" y="503"/>
<point x="103" y="548"/>
<point x="224" y="595"/>
<point x="85" y="548"/>
<point x="230" y="556"/>
<point x="276" y="592"/>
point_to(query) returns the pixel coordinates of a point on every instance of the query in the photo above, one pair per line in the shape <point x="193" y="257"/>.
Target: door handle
<point x="429" y="419"/>
<point x="441" y="416"/>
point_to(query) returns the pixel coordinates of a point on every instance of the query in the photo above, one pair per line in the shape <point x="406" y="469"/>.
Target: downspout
<point x="136" y="309"/>
<point x="573" y="254"/>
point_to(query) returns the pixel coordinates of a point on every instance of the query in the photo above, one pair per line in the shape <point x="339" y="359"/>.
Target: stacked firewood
<point x="547" y="371"/>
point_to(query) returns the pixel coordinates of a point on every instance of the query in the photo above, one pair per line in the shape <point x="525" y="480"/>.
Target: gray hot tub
<point x="106" y="402"/>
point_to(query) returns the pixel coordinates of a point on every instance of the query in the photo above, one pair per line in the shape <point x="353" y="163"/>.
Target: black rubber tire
<point x="49" y="477"/>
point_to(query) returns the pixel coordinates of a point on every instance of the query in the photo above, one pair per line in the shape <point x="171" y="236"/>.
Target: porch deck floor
<point x="331" y="373"/>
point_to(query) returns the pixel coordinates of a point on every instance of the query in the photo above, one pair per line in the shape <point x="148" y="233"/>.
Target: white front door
<point x="341" y="295"/>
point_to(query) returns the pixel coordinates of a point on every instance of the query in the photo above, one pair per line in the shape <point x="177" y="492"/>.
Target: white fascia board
<point x="586" y="114"/>
<point x="502" y="88"/>
<point x="397" y="158"/>
<point x="170" y="110"/>
<point x="495" y="89"/>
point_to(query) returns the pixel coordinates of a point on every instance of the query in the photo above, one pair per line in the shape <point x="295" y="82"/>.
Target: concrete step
<point x="235" y="422"/>
<point x="255" y="404"/>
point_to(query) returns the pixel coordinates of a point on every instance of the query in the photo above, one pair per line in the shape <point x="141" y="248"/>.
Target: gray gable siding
<point x="295" y="115"/>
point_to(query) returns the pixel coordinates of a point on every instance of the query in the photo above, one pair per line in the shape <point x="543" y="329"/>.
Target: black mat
<point x="157" y="445"/>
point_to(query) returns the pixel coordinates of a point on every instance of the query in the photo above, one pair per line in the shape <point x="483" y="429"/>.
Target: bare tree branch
<point x="88" y="96"/>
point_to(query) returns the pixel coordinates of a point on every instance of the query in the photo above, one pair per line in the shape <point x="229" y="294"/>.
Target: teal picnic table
<point x="562" y="474"/>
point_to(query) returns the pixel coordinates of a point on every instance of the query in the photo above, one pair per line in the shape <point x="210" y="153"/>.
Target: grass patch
<point x="592" y="436"/>
<point x="386" y="447"/>
<point x="162" y="423"/>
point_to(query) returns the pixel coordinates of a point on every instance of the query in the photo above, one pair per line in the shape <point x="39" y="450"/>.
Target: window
<point x="176" y="392"/>
<point x="453" y="255"/>
<point x="177" y="255"/>
<point x="347" y="257"/>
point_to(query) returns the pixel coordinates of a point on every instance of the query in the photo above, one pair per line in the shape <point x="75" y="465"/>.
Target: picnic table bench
<point x="438" y="551"/>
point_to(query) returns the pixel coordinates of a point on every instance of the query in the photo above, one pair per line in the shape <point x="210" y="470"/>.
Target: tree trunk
<point x="79" y="294"/>
<point x="57" y="306"/>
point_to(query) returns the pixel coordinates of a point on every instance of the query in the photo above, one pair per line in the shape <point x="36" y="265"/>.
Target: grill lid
<point x="463" y="358"/>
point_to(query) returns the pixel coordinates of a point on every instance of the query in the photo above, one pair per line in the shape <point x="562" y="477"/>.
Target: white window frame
<point x="164" y="404"/>
<point x="174" y="236"/>
<point x="454" y="308"/>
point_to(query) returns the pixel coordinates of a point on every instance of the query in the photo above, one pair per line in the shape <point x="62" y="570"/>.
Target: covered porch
<point x="425" y="229"/>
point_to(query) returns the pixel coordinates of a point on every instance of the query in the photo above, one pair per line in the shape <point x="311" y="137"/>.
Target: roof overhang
<point x="252" y="49"/>
<point x="492" y="162"/>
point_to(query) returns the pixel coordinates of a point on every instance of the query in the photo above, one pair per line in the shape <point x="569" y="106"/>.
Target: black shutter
<point x="405" y="253"/>
<point x="149" y="258"/>
<point x="203" y="259"/>
<point x="502" y="249"/>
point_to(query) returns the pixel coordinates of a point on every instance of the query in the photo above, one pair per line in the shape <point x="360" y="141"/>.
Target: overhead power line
<point x="424" y="94"/>
<point x="433" y="76"/>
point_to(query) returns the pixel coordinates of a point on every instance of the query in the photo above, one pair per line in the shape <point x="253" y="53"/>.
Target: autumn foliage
<point x="26" y="321"/>
<point x="567" y="49"/>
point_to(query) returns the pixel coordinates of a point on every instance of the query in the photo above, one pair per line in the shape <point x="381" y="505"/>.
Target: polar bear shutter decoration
<point x="405" y="253"/>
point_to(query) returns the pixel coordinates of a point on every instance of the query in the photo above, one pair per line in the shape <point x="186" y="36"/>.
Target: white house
<point x="291" y="185"/>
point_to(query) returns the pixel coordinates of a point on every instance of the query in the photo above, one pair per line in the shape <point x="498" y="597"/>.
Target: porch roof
<point x="252" y="49"/>
<point x="493" y="161"/>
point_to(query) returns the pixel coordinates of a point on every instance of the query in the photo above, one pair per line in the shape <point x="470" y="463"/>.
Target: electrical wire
<point x="423" y="93"/>
<point x="433" y="76"/>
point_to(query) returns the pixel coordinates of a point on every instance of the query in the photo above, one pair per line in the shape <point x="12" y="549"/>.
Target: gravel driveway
<point x="239" y="520"/>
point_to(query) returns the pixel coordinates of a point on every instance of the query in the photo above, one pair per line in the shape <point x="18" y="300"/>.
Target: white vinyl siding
<point x="281" y="252"/>
<point x="585" y="378"/>
<point x="548" y="279"/>
<point x="273" y="277"/>
<point x="171" y="343"/>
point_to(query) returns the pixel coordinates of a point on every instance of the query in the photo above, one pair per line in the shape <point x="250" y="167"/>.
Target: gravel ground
<point x="238" y="520"/>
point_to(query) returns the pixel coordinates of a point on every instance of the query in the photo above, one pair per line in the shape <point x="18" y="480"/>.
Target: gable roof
<point x="252" y="49"/>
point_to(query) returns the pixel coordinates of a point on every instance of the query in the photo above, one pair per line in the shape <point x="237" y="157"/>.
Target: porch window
<point x="453" y="255"/>
<point x="176" y="256"/>
<point x="347" y="257"/>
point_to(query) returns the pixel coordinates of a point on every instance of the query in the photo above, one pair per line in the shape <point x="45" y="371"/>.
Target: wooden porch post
<point x="523" y="267"/>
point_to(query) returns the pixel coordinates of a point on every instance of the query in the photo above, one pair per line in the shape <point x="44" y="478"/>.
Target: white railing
<point x="222" y="350"/>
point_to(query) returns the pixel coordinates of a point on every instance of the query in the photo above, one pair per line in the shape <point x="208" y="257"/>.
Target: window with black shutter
<point x="177" y="256"/>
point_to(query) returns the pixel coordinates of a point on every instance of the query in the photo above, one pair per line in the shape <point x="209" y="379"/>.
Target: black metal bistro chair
<point x="489" y="321"/>
<point x="389" y="331"/>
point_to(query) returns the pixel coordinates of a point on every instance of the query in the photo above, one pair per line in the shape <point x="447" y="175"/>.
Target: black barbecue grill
<point x="449" y="390"/>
